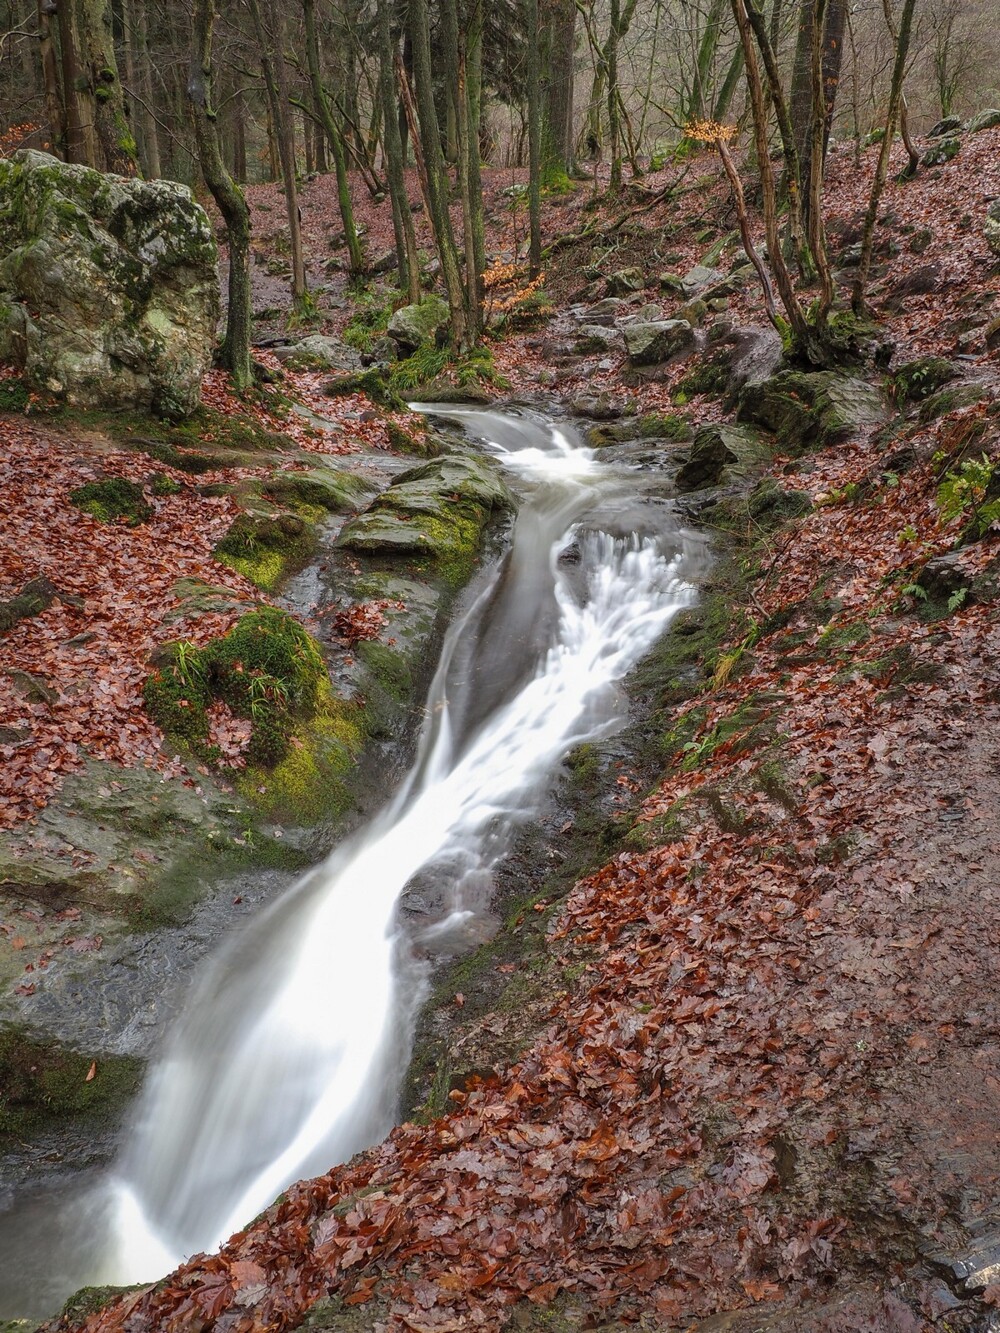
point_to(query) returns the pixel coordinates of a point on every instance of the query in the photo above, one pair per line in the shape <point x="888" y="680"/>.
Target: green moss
<point x="419" y="441"/>
<point x="111" y="500"/>
<point x="922" y="378"/>
<point x="267" y="669"/>
<point x="389" y="668"/>
<point x="709" y="376"/>
<point x="664" y="426"/>
<point x="41" y="1082"/>
<point x="310" y="781"/>
<point x="370" y="382"/>
<point x="14" y="394"/>
<point x="265" y="549"/>
<point x="161" y="484"/>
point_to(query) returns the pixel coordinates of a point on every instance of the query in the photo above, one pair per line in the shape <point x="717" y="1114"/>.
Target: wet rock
<point x="596" y="338"/>
<point x="320" y="353"/>
<point x="699" y="277"/>
<point x="920" y="379"/>
<point x="985" y="120"/>
<point x="944" y="575"/>
<point x="438" y="510"/>
<point x="414" y="326"/>
<point x="649" y="344"/>
<point x="36" y="596"/>
<point x="714" y="450"/>
<point x="805" y="408"/>
<point x="756" y="355"/>
<point x="991" y="228"/>
<point x="109" y="294"/>
<point x="609" y="308"/>
<point x="600" y="408"/>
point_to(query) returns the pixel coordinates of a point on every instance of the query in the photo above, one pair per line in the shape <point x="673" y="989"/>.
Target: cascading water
<point x="288" y="1056"/>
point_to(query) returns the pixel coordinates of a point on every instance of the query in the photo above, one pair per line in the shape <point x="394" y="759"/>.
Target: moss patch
<point x="267" y="669"/>
<point x="264" y="549"/>
<point x="111" y="500"/>
<point x="42" y="1081"/>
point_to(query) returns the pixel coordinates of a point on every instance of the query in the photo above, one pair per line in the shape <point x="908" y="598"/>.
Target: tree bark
<point x="97" y="55"/>
<point x="235" y="352"/>
<point x="356" y="258"/>
<point x="50" y="81"/>
<point x="402" y="218"/>
<point x="271" y="42"/>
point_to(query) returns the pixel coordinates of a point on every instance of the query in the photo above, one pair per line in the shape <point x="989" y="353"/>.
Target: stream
<point x="290" y="1052"/>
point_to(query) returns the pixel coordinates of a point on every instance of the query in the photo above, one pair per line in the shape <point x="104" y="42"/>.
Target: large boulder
<point x="716" y="448"/>
<point x="318" y="352"/>
<point x="413" y="326"/>
<point x="437" y="511"/>
<point x="651" y="342"/>
<point x="109" y="291"/>
<point x="816" y="407"/>
<point x="991" y="228"/>
<point x="985" y="120"/>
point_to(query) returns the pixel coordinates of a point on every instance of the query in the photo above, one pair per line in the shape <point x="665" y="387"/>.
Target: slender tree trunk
<point x="235" y="351"/>
<point x="322" y="102"/>
<point x="402" y="218"/>
<point x="80" y="146"/>
<point x="893" y="113"/>
<point x="272" y="55"/>
<point x="534" y="141"/>
<point x="817" y="230"/>
<point x="144" y="73"/>
<point x="436" y="171"/>
<point x="614" y="110"/>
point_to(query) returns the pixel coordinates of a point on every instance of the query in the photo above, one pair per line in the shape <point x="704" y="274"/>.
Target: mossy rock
<point x="940" y="153"/>
<point x="923" y="378"/>
<point x="811" y="408"/>
<point x="716" y="451"/>
<point x="372" y="383"/>
<point x="267" y="669"/>
<point x="419" y="441"/>
<point x="437" y="511"/>
<point x="42" y="1082"/>
<point x="950" y="400"/>
<point x="265" y="549"/>
<point x="654" y="426"/>
<point x="335" y="490"/>
<point x="111" y="500"/>
<point x="89" y="1300"/>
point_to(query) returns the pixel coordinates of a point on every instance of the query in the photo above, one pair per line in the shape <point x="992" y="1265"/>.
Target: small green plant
<point x="907" y="534"/>
<point x="956" y="599"/>
<point x="966" y="493"/>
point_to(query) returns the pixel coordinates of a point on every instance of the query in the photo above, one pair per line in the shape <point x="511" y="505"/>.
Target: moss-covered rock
<point x="112" y="499"/>
<point x="920" y="379"/>
<point x="414" y="326"/>
<point x="437" y="511"/>
<point x="716" y="451"/>
<point x="266" y="548"/>
<point x="109" y="292"/>
<point x="370" y="382"/>
<point x="810" y="408"/>
<point x="267" y="669"/>
<point x="649" y="344"/>
<point x="950" y="400"/>
<point x="42" y="1081"/>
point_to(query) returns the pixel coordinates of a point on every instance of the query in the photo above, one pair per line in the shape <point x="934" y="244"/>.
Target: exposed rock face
<point x="109" y="293"/>
<point x="414" y="325"/>
<point x="985" y="120"/>
<point x="715" y="448"/>
<point x="806" y="408"/>
<point x="650" y="343"/>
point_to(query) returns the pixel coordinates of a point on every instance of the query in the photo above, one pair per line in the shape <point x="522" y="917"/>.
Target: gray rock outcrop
<point x="109" y="291"/>
<point x="650" y="343"/>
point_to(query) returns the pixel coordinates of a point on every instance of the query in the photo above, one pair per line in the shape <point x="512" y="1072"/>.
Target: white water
<point x="289" y="1054"/>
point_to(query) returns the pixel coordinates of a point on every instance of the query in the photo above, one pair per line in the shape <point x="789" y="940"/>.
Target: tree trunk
<point x="50" y="82"/>
<point x="534" y="141"/>
<point x="235" y="351"/>
<point x="893" y="114"/>
<point x="97" y="55"/>
<point x="558" y="35"/>
<point x="402" y="218"/>
<point x="80" y="145"/>
<point x="322" y="102"/>
<point x="437" y="175"/>
<point x="272" y="55"/>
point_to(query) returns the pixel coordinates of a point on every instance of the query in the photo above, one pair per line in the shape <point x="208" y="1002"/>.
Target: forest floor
<point x="769" y="1098"/>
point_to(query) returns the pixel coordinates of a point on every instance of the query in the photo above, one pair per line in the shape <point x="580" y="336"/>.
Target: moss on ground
<point x="267" y="669"/>
<point x="14" y="395"/>
<point x="111" y="500"/>
<point x="42" y="1082"/>
<point x="267" y="548"/>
